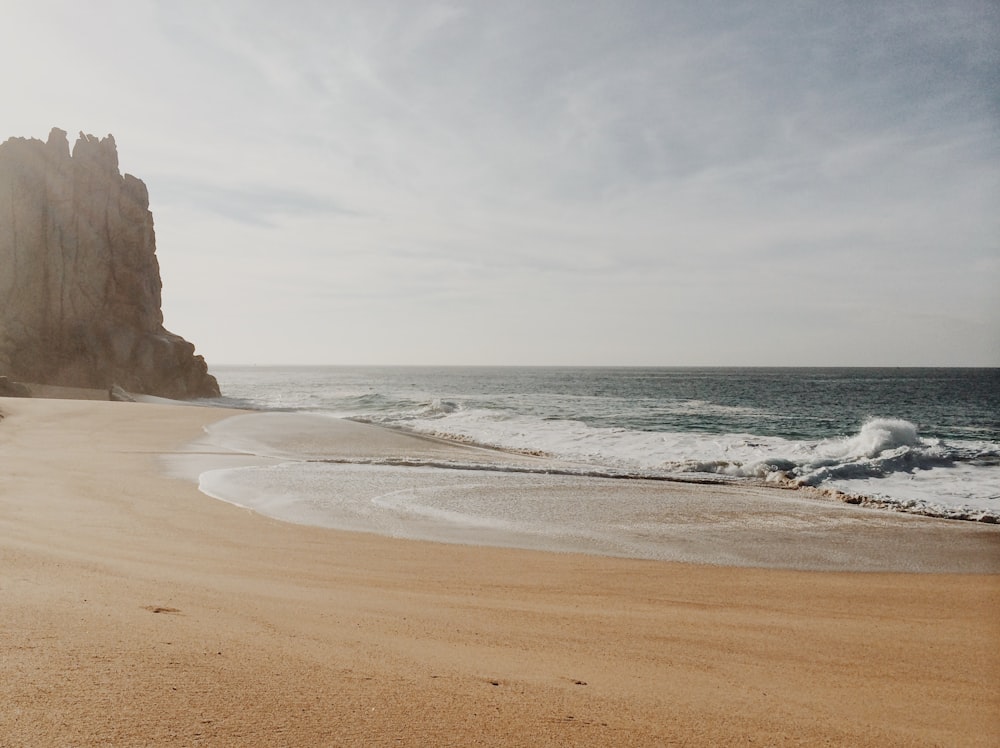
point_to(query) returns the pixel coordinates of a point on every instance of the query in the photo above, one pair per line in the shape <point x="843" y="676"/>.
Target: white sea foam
<point x="886" y="459"/>
<point x="640" y="519"/>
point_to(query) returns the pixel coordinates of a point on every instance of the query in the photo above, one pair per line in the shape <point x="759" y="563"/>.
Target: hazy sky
<point x="545" y="182"/>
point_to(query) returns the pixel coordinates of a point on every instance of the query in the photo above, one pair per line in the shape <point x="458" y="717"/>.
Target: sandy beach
<point x="137" y="611"/>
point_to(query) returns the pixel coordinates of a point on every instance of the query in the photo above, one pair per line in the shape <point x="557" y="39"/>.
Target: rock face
<point x="79" y="280"/>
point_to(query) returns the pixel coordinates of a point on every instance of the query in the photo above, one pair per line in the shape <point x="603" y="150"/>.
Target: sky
<point x="632" y="182"/>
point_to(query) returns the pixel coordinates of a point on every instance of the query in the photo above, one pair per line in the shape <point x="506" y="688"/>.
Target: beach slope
<point x="137" y="611"/>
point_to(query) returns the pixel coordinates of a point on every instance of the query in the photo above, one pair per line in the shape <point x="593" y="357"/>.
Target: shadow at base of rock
<point x="9" y="388"/>
<point x="58" y="392"/>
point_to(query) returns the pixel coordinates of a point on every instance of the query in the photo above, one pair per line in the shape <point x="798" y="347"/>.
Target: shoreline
<point x="139" y="611"/>
<point x="921" y="443"/>
<point x="363" y="477"/>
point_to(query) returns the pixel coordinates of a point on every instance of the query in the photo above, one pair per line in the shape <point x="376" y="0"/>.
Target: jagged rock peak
<point x="101" y="152"/>
<point x="79" y="279"/>
<point x="57" y="143"/>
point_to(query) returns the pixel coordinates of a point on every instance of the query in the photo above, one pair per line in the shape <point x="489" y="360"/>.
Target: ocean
<point x="924" y="441"/>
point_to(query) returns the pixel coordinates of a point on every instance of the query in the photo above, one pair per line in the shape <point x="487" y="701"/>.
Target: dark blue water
<point x="793" y="403"/>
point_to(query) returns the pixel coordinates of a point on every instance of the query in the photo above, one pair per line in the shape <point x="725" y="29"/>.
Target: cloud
<point x="530" y="171"/>
<point x="257" y="205"/>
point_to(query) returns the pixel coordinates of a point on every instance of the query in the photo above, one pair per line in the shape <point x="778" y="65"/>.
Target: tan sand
<point x="135" y="611"/>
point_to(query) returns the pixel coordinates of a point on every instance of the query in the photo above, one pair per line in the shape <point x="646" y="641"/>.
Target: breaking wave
<point x="886" y="462"/>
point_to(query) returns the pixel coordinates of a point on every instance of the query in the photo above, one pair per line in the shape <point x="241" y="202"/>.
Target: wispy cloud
<point x="696" y="174"/>
<point x="258" y="205"/>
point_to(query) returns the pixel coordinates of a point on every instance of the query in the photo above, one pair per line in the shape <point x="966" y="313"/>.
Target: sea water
<point x="924" y="441"/>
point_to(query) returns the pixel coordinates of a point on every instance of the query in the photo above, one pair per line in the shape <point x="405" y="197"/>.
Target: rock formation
<point x="79" y="280"/>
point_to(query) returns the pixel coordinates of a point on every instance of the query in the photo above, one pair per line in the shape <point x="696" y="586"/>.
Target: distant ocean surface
<point x="917" y="440"/>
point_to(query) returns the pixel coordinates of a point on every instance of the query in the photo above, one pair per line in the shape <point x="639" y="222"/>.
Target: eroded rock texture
<point x="79" y="280"/>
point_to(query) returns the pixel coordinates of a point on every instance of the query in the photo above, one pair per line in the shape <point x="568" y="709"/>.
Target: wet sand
<point x="340" y="474"/>
<point x="137" y="611"/>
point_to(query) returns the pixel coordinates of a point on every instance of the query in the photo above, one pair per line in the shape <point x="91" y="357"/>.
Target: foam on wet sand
<point x="333" y="473"/>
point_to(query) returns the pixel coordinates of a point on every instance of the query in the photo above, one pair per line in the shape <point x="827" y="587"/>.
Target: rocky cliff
<point x="79" y="280"/>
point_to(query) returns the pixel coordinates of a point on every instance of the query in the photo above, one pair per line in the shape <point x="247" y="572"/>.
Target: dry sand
<point x="134" y="611"/>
